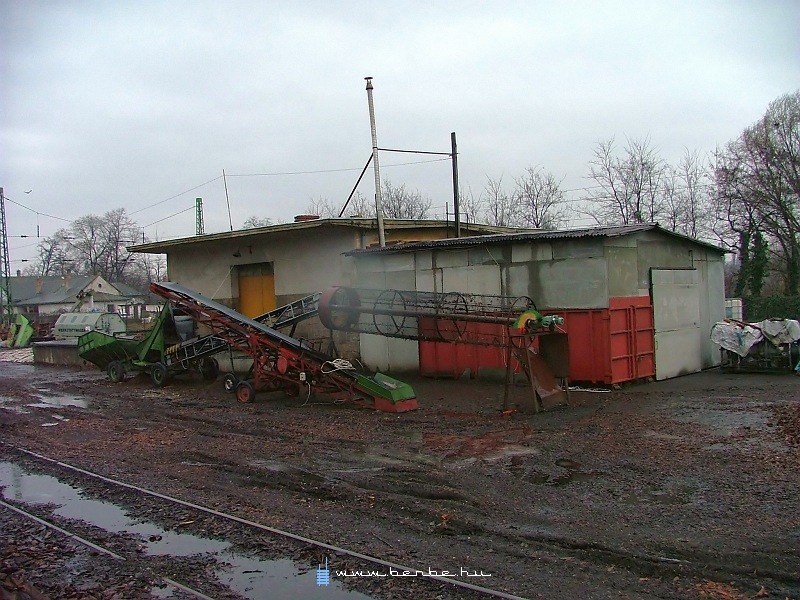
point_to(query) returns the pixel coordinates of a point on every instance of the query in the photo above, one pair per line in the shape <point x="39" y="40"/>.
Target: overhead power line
<point x="36" y="211"/>
<point x="280" y="173"/>
<point x="170" y="216"/>
<point x="179" y="194"/>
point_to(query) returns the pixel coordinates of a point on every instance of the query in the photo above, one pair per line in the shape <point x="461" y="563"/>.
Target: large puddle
<point x="60" y="401"/>
<point x="244" y="574"/>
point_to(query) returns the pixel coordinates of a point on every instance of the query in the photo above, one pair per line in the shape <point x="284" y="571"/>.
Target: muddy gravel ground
<point x="687" y="488"/>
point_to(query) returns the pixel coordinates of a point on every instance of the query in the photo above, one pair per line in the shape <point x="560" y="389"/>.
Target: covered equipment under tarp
<point x="770" y="345"/>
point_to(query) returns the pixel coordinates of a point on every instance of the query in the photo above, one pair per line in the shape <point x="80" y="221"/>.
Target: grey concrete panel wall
<point x="426" y="280"/>
<point x="444" y="259"/>
<point x="398" y="280"/>
<point x="399" y="262"/>
<point x="349" y="270"/>
<point x="663" y="255"/>
<point x="713" y="307"/>
<point x="578" y="248"/>
<point x="676" y="310"/>
<point x="423" y="261"/>
<point x="389" y="355"/>
<point x="519" y="283"/>
<point x="622" y="271"/>
<point x="495" y="254"/>
<point x="473" y="280"/>
<point x="677" y="303"/>
<point x="526" y="252"/>
<point x="370" y="264"/>
<point x="401" y="280"/>
<point x="371" y="280"/>
<point x="576" y="283"/>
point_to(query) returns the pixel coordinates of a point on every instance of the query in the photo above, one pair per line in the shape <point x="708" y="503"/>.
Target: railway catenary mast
<point x="5" y="269"/>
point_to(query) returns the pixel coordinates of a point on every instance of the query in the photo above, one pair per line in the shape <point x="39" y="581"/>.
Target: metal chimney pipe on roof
<point x="375" y="163"/>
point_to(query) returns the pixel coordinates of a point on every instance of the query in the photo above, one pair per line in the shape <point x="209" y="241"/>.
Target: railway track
<point x="358" y="563"/>
<point x="99" y="549"/>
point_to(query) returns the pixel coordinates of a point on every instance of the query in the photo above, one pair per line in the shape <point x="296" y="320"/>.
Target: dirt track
<point x="680" y="489"/>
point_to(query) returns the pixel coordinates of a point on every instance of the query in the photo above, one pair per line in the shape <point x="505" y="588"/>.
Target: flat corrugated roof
<point x="556" y="234"/>
<point x="352" y="222"/>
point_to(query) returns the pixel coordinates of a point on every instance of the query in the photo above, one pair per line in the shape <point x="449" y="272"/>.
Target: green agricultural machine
<point x="162" y="353"/>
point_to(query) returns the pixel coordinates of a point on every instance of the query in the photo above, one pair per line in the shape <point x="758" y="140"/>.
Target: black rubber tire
<point x="159" y="374"/>
<point x="116" y="371"/>
<point x="230" y="382"/>
<point x="209" y="368"/>
<point x="245" y="392"/>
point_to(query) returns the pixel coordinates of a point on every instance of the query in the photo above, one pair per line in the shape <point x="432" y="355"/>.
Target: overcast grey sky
<point x="126" y="104"/>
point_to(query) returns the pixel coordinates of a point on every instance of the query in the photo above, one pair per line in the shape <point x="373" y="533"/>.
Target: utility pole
<point x="375" y="164"/>
<point x="228" y="200"/>
<point x="5" y="284"/>
<point x="454" y="159"/>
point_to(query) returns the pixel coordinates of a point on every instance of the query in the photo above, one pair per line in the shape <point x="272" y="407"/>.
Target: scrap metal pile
<point x="535" y="340"/>
<point x="431" y="316"/>
<point x="772" y="345"/>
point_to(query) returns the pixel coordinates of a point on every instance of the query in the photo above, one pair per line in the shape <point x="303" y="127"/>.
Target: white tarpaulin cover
<point x="739" y="337"/>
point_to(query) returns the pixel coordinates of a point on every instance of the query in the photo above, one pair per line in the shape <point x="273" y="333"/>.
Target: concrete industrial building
<point x="255" y="270"/>
<point x="670" y="289"/>
<point x="667" y="289"/>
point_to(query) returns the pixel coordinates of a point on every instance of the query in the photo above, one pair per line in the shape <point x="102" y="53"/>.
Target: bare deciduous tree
<point x="499" y="203"/>
<point x="688" y="193"/>
<point x="321" y="207"/>
<point x="398" y="202"/>
<point x="254" y="222"/>
<point x="53" y="259"/>
<point x="538" y="200"/>
<point x="96" y="245"/>
<point x="470" y="207"/>
<point x="758" y="181"/>
<point x="630" y="187"/>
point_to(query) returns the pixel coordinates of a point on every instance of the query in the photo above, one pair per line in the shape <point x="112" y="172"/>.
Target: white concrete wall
<point x="713" y="306"/>
<point x="304" y="262"/>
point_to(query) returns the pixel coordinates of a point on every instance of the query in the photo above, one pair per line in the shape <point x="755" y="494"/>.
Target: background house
<point x="39" y="296"/>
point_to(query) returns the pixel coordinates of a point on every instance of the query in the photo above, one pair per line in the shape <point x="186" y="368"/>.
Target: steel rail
<point x="273" y="530"/>
<point x="54" y="527"/>
<point x="97" y="548"/>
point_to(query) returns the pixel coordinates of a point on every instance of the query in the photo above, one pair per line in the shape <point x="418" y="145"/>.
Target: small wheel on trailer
<point x="245" y="392"/>
<point x="209" y="368"/>
<point x="230" y="382"/>
<point x="158" y="373"/>
<point x="292" y="390"/>
<point x="116" y="371"/>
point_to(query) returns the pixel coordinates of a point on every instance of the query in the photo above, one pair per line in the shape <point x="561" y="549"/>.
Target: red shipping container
<point x="606" y="345"/>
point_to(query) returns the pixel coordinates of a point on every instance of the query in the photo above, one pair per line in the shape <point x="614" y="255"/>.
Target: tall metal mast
<point x="5" y="275"/>
<point x="200" y="229"/>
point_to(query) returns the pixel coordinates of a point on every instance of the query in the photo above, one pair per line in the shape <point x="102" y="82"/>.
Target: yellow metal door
<point x="256" y="290"/>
